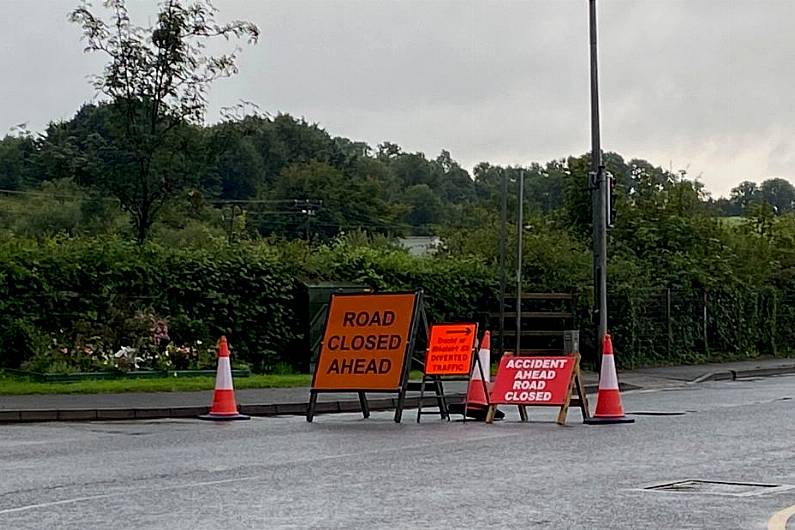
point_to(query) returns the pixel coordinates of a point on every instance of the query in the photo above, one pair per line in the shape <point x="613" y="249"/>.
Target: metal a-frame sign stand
<point x="417" y="315"/>
<point x="440" y="378"/>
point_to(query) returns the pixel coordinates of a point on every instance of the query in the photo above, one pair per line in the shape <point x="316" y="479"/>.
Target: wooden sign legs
<point x="582" y="400"/>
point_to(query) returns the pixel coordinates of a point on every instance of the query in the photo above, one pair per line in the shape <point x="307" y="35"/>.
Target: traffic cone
<point x="608" y="398"/>
<point x="477" y="402"/>
<point x="224" y="407"/>
<point x="476" y="396"/>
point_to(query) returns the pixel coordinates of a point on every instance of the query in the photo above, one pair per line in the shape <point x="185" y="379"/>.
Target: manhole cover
<point x="717" y="487"/>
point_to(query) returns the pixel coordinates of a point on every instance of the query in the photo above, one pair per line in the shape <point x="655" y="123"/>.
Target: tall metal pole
<point x="519" y="238"/>
<point x="502" y="252"/>
<point x="599" y="192"/>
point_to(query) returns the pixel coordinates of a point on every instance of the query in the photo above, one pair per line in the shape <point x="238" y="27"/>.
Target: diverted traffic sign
<point x="451" y="357"/>
<point x="450" y="349"/>
<point x="538" y="381"/>
<point x="366" y="344"/>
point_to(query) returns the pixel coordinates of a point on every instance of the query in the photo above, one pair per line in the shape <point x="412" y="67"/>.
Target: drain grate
<point x="717" y="487"/>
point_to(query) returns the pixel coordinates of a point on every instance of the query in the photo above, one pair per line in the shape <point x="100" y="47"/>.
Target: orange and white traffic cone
<point x="476" y="395"/>
<point x="608" y="398"/>
<point x="224" y="407"/>
<point x="477" y="402"/>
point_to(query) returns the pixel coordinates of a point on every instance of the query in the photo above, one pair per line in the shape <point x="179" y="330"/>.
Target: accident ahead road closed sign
<point x="365" y="342"/>
<point x="533" y="380"/>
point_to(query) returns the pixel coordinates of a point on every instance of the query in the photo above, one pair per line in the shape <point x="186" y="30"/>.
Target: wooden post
<point x="668" y="320"/>
<point x="706" y="344"/>
<point x="579" y="383"/>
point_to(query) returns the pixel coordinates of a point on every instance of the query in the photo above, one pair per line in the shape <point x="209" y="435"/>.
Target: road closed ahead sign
<point x="533" y="380"/>
<point x="365" y="342"/>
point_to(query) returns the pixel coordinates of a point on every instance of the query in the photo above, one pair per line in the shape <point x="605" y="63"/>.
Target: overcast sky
<point x="702" y="85"/>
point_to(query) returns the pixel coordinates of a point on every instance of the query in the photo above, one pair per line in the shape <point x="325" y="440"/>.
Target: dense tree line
<point x="145" y="148"/>
<point x="281" y="172"/>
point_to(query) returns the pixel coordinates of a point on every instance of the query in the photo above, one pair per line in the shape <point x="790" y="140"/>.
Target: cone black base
<point x="220" y="417"/>
<point x="476" y="412"/>
<point x="606" y="421"/>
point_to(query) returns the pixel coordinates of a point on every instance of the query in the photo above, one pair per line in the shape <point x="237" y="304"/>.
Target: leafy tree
<point x="743" y="195"/>
<point x="16" y="157"/>
<point x="61" y="207"/>
<point x="346" y="203"/>
<point x="235" y="168"/>
<point x="413" y="168"/>
<point x="156" y="80"/>
<point x="778" y="193"/>
<point x="455" y="184"/>
<point x="425" y="207"/>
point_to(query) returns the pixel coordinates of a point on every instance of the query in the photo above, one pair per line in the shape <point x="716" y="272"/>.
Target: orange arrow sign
<point x="450" y="349"/>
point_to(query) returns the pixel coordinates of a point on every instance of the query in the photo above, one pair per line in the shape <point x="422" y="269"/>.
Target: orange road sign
<point x="450" y="349"/>
<point x="365" y="343"/>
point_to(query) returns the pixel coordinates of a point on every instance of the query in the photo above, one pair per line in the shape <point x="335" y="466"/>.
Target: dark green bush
<point x="91" y="293"/>
<point x="74" y="302"/>
<point x="95" y="287"/>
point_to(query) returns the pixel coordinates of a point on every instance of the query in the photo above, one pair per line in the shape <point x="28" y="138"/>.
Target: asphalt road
<point x="345" y="472"/>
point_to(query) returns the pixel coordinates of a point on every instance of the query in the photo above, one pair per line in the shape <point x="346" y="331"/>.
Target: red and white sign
<point x="532" y="380"/>
<point x="450" y="349"/>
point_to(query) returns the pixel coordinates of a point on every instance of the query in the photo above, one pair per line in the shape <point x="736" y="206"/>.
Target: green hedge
<point x="64" y="289"/>
<point x="78" y="291"/>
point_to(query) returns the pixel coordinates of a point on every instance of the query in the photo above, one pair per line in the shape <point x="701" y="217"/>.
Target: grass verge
<point x="12" y="385"/>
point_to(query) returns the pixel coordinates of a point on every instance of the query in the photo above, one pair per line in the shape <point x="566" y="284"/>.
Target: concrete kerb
<point x="732" y="375"/>
<point x="277" y="409"/>
<point x="291" y="409"/>
<point x="254" y="409"/>
<point x="724" y="375"/>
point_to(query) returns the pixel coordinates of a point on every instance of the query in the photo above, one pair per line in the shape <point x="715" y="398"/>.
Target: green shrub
<point x="69" y="304"/>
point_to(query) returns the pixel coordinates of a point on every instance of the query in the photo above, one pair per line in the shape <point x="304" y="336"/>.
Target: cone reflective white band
<point x="484" y="354"/>
<point x="223" y="377"/>
<point x="607" y="378"/>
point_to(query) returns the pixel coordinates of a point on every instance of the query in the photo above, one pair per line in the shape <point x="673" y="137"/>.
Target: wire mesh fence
<point x="675" y="325"/>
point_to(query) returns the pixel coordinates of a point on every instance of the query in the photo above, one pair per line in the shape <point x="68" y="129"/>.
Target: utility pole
<point x="230" y="235"/>
<point x="599" y="191"/>
<point x="520" y="234"/>
<point x="309" y="209"/>
<point x="502" y="252"/>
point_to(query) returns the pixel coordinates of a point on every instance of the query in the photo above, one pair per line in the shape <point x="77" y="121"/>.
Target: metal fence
<point x="678" y="325"/>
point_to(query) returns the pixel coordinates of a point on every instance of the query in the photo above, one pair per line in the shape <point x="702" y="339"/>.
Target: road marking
<point x="779" y="519"/>
<point x="54" y="503"/>
<point x="126" y="492"/>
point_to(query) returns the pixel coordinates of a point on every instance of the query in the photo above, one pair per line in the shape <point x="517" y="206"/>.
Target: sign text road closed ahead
<point x="450" y="349"/>
<point x="364" y="343"/>
<point x="533" y="380"/>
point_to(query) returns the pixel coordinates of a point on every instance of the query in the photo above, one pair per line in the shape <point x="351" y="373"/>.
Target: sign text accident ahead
<point x="538" y="381"/>
<point x="533" y="380"/>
